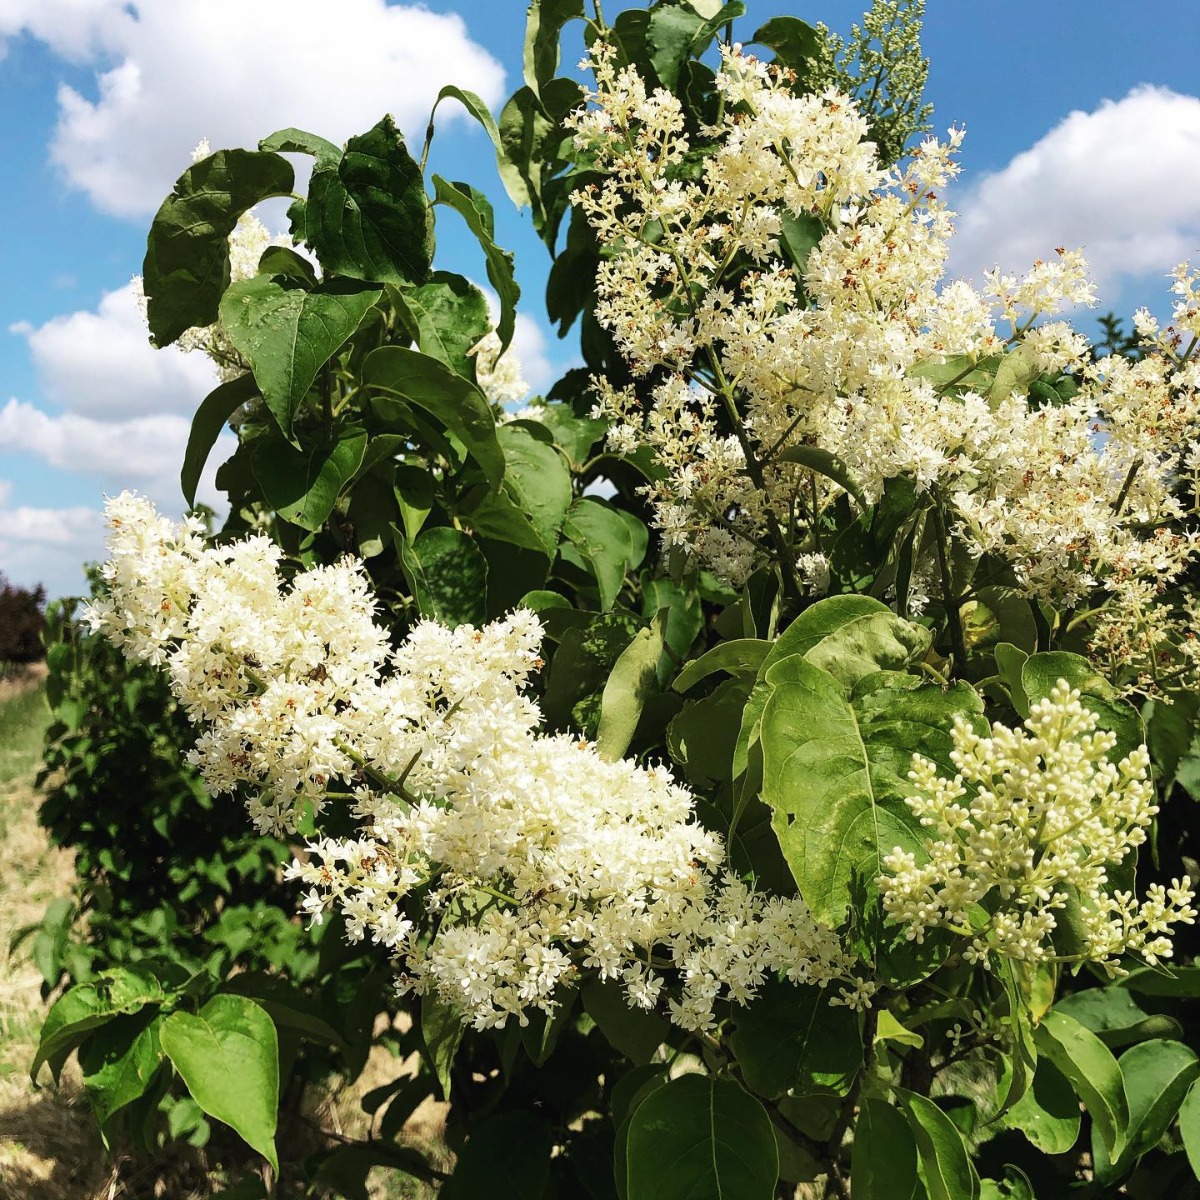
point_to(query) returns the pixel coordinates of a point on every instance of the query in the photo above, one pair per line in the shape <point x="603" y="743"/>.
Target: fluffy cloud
<point x="48" y="546"/>
<point x="142" y="452"/>
<point x="100" y="363"/>
<point x="1122" y="182"/>
<point x="170" y="72"/>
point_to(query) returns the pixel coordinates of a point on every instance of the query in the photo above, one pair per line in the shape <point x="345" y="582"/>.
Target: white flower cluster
<point x="500" y="376"/>
<point x="529" y="856"/>
<point x="862" y="348"/>
<point x="1031" y="825"/>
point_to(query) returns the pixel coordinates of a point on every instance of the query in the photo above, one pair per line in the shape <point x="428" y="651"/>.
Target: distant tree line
<point x="22" y="619"/>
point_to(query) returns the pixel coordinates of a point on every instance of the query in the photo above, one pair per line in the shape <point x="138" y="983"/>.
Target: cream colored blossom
<point x="496" y="862"/>
<point x="1034" y="821"/>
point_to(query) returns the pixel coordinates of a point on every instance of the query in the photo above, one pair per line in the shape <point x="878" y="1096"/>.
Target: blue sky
<point x="101" y="102"/>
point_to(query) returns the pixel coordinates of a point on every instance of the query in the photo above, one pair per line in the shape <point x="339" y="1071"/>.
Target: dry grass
<point x="48" y="1147"/>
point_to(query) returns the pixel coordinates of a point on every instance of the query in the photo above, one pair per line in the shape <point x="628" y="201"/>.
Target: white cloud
<point x="1122" y="182"/>
<point x="49" y="546"/>
<point x="529" y="345"/>
<point x="6" y="490"/>
<point x="100" y="363"/>
<point x="174" y="71"/>
<point x="142" y="452"/>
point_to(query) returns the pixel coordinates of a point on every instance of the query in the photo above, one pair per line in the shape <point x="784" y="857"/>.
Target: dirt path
<point x="48" y="1148"/>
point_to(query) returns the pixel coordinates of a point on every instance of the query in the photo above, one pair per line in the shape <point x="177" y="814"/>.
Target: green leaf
<point x="367" y="215"/>
<point x="1089" y="1065"/>
<point x="448" y="317"/>
<point x="791" y="1037"/>
<point x="87" y="1006"/>
<point x="544" y="23"/>
<point x="799" y="235"/>
<point x="1017" y="370"/>
<point x="298" y="141"/>
<point x="670" y="32"/>
<point x="538" y="482"/>
<point x="945" y="1163"/>
<point x="1048" y="1113"/>
<point x="507" y="1155"/>
<point x="807" y="631"/>
<point x="636" y="1032"/>
<point x="1042" y="671"/>
<point x="738" y="657"/>
<point x="119" y="1062"/>
<point x="303" y="485"/>
<point x="601" y="535"/>
<point x="889" y="1029"/>
<point x="215" y="410"/>
<point x="631" y="680"/>
<point x="1014" y="1186"/>
<point x="1189" y="1127"/>
<point x="441" y="1033"/>
<point x="186" y="268"/>
<point x="824" y="463"/>
<point x="1010" y="662"/>
<point x="796" y="43"/>
<point x="414" y="497"/>
<point x="291" y="1008"/>
<point x="476" y="107"/>
<point x="287" y="333"/>
<point x="1158" y="1075"/>
<point x="228" y="1056"/>
<point x="418" y="379"/>
<point x="1113" y="1015"/>
<point x="883" y="1160"/>
<point x="702" y="736"/>
<point x="868" y="644"/>
<point x="701" y="1137"/>
<point x="835" y="772"/>
<point x="475" y="208"/>
<point x="448" y="575"/>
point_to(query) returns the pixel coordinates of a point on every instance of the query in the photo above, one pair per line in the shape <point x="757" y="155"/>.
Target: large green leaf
<point x="475" y="208"/>
<point x="835" y="771"/>
<point x="1048" y="1113"/>
<point x="1158" y="1075"/>
<point x="1113" y="1015"/>
<point x="1089" y="1065"/>
<point x="630" y="682"/>
<point x="544" y="22"/>
<point x="186" y="268"/>
<point x="448" y="575"/>
<point x="228" y="1056"/>
<point x="883" y="1161"/>
<point x="636" y="1032"/>
<point x="796" y="43"/>
<point x="537" y="482"/>
<point x="303" y="485"/>
<point x="791" y="1037"/>
<point x="945" y="1162"/>
<point x="507" y="1155"/>
<point x="1041" y="672"/>
<point x="119" y="1061"/>
<point x="287" y="332"/>
<point x="807" y="631"/>
<point x="447" y="316"/>
<point x="701" y="1137"/>
<point x="441" y="1032"/>
<point x="215" y="410"/>
<point x="89" y="1005"/>
<point x="602" y="537"/>
<point x="739" y="656"/>
<point x="418" y="379"/>
<point x="367" y="215"/>
<point x="1189" y="1127"/>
